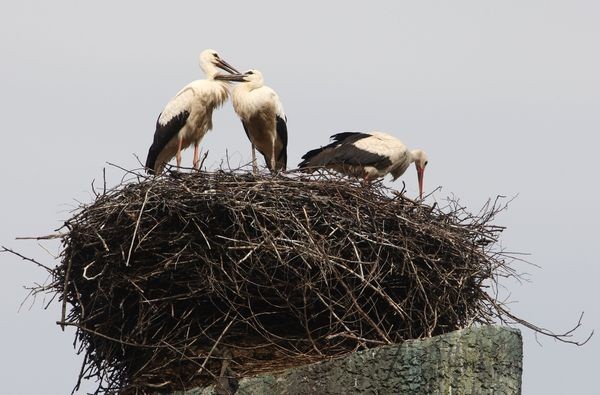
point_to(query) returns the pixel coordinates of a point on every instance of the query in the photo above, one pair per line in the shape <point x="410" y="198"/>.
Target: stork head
<point x="253" y="78"/>
<point x="420" y="159"/>
<point x="210" y="62"/>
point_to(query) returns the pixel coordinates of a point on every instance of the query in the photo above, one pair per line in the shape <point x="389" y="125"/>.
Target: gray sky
<point x="503" y="96"/>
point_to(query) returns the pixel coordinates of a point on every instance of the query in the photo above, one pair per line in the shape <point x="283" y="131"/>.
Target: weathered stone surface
<point x="483" y="360"/>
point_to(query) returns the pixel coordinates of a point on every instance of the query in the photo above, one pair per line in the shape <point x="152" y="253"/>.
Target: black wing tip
<point x="282" y="160"/>
<point x="151" y="159"/>
<point x="303" y="162"/>
<point x="308" y="157"/>
<point x="303" y="165"/>
<point x="312" y="153"/>
<point x="339" y="137"/>
<point x="282" y="132"/>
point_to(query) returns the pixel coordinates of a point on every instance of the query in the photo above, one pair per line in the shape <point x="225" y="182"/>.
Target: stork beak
<point x="230" y="77"/>
<point x="223" y="65"/>
<point x="420" y="171"/>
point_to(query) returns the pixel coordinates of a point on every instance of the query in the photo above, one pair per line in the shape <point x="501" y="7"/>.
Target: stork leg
<point x="273" y="159"/>
<point x="196" y="156"/>
<point x="254" y="165"/>
<point x="178" y="155"/>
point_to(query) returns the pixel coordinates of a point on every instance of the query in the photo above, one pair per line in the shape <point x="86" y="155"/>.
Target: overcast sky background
<point x="503" y="96"/>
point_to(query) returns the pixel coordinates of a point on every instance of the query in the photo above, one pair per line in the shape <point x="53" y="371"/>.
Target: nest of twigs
<point x="178" y="280"/>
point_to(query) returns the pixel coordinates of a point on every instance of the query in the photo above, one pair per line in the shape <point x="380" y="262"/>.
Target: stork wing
<point x="163" y="134"/>
<point x="282" y="134"/>
<point x="349" y="154"/>
<point x="347" y="137"/>
<point x="348" y="148"/>
<point x="378" y="149"/>
<point x="246" y="130"/>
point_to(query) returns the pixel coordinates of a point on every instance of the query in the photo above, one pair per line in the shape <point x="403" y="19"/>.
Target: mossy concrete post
<point x="480" y="360"/>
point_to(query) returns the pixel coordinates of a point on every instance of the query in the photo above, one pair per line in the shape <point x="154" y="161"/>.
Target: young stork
<point x="261" y="112"/>
<point x="366" y="155"/>
<point x="188" y="116"/>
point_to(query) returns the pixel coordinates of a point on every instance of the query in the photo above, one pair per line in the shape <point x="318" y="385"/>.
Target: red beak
<point x="420" y="171"/>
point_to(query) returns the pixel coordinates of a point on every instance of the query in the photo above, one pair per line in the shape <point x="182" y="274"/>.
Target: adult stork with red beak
<point x="366" y="155"/>
<point x="188" y="116"/>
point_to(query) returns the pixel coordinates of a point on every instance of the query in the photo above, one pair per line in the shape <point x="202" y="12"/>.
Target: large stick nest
<point x="173" y="280"/>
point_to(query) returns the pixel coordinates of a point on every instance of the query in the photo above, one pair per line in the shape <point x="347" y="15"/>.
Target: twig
<point x="215" y="344"/>
<point x="63" y="313"/>
<point x="47" y="237"/>
<point x="202" y="161"/>
<point x="5" y="249"/>
<point x="137" y="225"/>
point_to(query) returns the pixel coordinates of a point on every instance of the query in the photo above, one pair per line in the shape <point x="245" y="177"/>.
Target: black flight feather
<point x="283" y="136"/>
<point x="162" y="136"/>
<point x="344" y="152"/>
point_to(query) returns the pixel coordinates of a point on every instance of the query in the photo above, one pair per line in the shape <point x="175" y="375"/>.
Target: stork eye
<point x="216" y="55"/>
<point x="425" y="164"/>
<point x="250" y="72"/>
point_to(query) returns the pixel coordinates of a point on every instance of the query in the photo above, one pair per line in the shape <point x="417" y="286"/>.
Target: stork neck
<point x="415" y="155"/>
<point x="255" y="83"/>
<point x="242" y="89"/>
<point x="209" y="69"/>
<point x="254" y="86"/>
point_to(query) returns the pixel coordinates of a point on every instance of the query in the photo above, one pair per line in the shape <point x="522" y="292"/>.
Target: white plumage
<point x="188" y="116"/>
<point x="262" y="115"/>
<point x="366" y="155"/>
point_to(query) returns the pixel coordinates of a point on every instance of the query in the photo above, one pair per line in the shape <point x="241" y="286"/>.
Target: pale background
<point x="504" y="97"/>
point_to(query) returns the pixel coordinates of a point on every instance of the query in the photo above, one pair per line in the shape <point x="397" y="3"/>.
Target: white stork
<point x="262" y="115"/>
<point x="188" y="116"/>
<point x="366" y="155"/>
